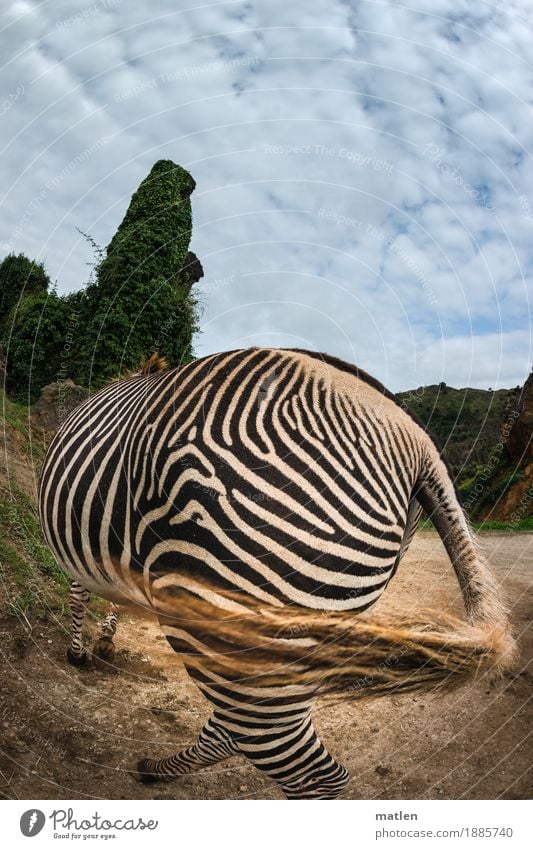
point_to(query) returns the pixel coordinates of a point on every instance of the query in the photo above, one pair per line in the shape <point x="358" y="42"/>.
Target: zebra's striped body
<point x="282" y="475"/>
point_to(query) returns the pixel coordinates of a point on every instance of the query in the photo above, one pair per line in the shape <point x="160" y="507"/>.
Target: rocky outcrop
<point x="195" y="266"/>
<point x="512" y="486"/>
<point x="57" y="400"/>
<point x="520" y="440"/>
<point x="192" y="271"/>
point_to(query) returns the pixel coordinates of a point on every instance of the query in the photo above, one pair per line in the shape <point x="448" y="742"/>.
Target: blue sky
<point x="364" y="174"/>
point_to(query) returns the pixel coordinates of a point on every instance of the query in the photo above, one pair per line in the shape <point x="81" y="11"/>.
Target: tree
<point x="19" y="278"/>
<point x="37" y="344"/>
<point x="141" y="298"/>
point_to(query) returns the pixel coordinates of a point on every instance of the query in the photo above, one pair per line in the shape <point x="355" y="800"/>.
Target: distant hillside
<point x="466" y="422"/>
<point x="477" y="430"/>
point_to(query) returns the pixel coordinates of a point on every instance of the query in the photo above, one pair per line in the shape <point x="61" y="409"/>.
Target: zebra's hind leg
<point x="214" y="744"/>
<point x="104" y="647"/>
<point x="295" y="757"/>
<point x="78" y="600"/>
<point x="273" y="728"/>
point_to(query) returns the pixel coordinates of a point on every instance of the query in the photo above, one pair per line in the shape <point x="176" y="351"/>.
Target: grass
<point x="18" y="517"/>
<point x="497" y="525"/>
<point x="35" y="587"/>
<point x="30" y="573"/>
<point x="524" y="525"/>
<point x="16" y="418"/>
<point x="32" y="581"/>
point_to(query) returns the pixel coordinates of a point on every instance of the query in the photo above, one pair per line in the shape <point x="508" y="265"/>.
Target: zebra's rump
<point x="266" y="471"/>
<point x="258" y="501"/>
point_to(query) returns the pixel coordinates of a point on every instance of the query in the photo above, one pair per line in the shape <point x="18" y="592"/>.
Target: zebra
<point x="259" y="501"/>
<point x="104" y="648"/>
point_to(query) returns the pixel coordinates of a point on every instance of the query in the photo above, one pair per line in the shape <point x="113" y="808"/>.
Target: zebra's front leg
<point x="214" y="744"/>
<point x="78" y="600"/>
<point x="104" y="647"/>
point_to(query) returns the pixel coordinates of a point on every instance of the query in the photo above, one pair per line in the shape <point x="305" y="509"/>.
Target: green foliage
<point x="496" y="465"/>
<point x="16" y="418"/>
<point x="18" y="516"/>
<point x="467" y="424"/>
<point x="25" y="559"/>
<point x="497" y="489"/>
<point x="140" y="301"/>
<point x="524" y="525"/>
<point x="32" y="582"/>
<point x="19" y="278"/>
<point x="35" y="343"/>
<point x="155" y="233"/>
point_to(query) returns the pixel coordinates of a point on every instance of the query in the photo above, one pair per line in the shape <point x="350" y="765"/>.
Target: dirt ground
<point x="72" y="734"/>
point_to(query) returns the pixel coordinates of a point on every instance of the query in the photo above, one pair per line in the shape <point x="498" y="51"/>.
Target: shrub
<point x="19" y="278"/>
<point x="34" y="345"/>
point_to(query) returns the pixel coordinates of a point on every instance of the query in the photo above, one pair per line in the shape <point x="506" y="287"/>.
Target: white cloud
<point x="311" y="133"/>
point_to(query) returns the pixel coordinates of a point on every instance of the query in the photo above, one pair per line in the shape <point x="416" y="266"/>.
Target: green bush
<point x="497" y="489"/>
<point x="35" y="343"/>
<point x="20" y="277"/>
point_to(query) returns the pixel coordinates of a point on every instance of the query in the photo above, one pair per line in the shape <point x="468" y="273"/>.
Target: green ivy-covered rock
<point x="140" y="301"/>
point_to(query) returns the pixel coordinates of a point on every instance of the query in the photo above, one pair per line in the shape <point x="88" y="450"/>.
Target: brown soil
<point x="69" y="733"/>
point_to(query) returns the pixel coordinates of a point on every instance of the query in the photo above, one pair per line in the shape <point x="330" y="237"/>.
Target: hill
<point x="465" y="422"/>
<point x="485" y="437"/>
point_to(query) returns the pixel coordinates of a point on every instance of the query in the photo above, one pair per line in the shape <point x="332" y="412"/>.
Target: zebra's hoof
<point x="104" y="651"/>
<point x="76" y="659"/>
<point x="140" y="772"/>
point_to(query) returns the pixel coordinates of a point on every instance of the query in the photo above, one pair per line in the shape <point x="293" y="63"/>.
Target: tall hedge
<point x="19" y="278"/>
<point x="141" y="299"/>
<point x="37" y="344"/>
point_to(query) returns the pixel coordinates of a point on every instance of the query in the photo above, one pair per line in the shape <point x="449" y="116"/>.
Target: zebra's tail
<point x="485" y="607"/>
<point x="236" y="638"/>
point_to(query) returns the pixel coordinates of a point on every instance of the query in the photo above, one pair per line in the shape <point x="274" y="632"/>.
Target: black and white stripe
<point x="287" y="476"/>
<point x="104" y="648"/>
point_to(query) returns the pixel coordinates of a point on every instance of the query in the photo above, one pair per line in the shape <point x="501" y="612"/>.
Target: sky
<point x="364" y="170"/>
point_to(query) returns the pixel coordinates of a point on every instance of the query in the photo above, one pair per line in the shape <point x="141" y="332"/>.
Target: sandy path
<point x="71" y="733"/>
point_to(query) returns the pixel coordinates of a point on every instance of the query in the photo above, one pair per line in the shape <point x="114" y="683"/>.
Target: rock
<point x="56" y="402"/>
<point x="510" y="488"/>
<point x="192" y="271"/>
<point x="520" y="438"/>
<point x="382" y="770"/>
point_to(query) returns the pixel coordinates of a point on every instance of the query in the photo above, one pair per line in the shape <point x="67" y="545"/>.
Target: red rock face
<point x="520" y="442"/>
<point x="516" y="501"/>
